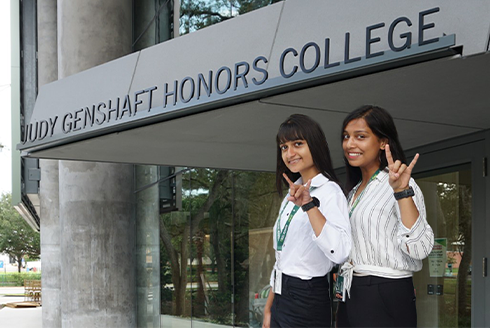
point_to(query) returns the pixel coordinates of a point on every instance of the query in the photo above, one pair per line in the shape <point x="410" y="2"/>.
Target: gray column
<point x="92" y="32"/>
<point x="98" y="245"/>
<point x="147" y="246"/>
<point x="50" y="244"/>
<point x="96" y="199"/>
<point x="47" y="42"/>
<point x="48" y="191"/>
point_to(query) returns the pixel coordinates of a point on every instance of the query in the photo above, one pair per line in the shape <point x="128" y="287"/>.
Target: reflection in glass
<point x="196" y="15"/>
<point x="153" y="19"/>
<point x="152" y="22"/>
<point x="216" y="251"/>
<point x="147" y="246"/>
<point x="444" y="285"/>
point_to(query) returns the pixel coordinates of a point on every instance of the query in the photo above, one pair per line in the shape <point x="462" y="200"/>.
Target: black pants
<point x="302" y="303"/>
<point x="378" y="302"/>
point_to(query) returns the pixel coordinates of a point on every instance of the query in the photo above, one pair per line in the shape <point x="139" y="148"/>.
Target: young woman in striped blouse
<point x="390" y="233"/>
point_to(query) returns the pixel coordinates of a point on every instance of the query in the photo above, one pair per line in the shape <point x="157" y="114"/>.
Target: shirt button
<point x="287" y="214"/>
<point x="332" y="251"/>
<point x="408" y="236"/>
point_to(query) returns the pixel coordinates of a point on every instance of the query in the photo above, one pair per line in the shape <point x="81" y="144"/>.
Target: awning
<point x="216" y="97"/>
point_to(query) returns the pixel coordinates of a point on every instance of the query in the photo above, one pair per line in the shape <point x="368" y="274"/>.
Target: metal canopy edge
<point x="275" y="86"/>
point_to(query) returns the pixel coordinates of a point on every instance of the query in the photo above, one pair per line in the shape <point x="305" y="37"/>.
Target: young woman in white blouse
<point x="390" y="233"/>
<point x="312" y="232"/>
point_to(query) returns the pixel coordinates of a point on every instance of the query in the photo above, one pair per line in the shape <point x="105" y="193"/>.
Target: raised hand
<point x="298" y="194"/>
<point x="399" y="173"/>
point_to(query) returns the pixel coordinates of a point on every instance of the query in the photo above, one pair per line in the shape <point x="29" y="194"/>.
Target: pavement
<point x="18" y="317"/>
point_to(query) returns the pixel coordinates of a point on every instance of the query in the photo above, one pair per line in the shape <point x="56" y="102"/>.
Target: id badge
<point x="278" y="282"/>
<point x="339" y="288"/>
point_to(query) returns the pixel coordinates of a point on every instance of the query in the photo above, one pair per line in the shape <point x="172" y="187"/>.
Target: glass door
<point x="450" y="288"/>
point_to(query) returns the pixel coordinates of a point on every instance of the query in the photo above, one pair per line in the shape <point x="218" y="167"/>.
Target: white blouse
<point x="304" y="255"/>
<point x="381" y="244"/>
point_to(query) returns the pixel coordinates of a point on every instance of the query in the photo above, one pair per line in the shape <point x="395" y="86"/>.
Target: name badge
<point x="278" y="282"/>
<point x="339" y="288"/>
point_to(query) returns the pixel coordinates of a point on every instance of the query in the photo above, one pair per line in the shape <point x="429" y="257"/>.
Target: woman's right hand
<point x="266" y="323"/>
<point x="298" y="194"/>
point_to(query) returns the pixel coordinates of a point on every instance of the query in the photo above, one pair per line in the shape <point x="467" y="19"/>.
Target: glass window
<point x="216" y="250"/>
<point x="153" y="20"/>
<point x="195" y="15"/>
<point x="444" y="284"/>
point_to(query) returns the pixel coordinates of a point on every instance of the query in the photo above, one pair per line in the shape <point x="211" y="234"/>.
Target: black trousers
<point x="302" y="303"/>
<point x="378" y="302"/>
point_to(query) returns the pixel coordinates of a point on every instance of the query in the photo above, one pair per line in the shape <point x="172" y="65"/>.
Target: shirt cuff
<point x="334" y="243"/>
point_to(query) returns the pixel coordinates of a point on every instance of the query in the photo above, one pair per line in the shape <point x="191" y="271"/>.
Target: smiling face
<point x="297" y="157"/>
<point x="361" y="146"/>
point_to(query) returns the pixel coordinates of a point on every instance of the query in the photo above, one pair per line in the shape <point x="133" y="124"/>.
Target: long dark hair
<point x="382" y="125"/>
<point x="302" y="127"/>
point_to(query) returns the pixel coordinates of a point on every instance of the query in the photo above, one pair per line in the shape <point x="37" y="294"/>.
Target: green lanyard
<point x="359" y="197"/>
<point x="281" y="235"/>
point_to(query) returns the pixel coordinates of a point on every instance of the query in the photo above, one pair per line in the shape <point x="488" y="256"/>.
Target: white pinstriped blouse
<point x="381" y="245"/>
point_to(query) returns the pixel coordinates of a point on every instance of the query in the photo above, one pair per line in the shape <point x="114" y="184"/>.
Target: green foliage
<point x="17" y="239"/>
<point x="240" y="202"/>
<point x="219" y="308"/>
<point x="245" y="6"/>
<point x="166" y="293"/>
<point x="17" y="278"/>
<point x="196" y="15"/>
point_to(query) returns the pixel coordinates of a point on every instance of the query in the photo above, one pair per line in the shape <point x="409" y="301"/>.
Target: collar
<point x="318" y="181"/>
<point x="382" y="174"/>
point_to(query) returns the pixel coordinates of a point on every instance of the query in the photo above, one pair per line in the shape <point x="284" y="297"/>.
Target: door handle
<point x="484" y="267"/>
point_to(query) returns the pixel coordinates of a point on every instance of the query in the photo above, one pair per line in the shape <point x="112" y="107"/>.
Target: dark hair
<point x="302" y="127"/>
<point x="382" y="125"/>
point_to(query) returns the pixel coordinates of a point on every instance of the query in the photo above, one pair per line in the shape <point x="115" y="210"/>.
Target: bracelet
<point x="404" y="193"/>
<point x="308" y="206"/>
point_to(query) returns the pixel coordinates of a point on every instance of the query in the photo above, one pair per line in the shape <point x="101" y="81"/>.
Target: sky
<point x="5" y="131"/>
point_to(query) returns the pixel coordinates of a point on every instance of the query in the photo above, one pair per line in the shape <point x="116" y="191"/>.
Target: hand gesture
<point x="298" y="194"/>
<point x="399" y="173"/>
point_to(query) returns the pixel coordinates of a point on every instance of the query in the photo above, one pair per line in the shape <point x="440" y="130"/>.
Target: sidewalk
<point x="18" y="317"/>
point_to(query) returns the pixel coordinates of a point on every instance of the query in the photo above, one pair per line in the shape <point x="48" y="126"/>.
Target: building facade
<point x="154" y="139"/>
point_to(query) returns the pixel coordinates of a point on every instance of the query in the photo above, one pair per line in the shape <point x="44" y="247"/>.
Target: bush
<point x="17" y="279"/>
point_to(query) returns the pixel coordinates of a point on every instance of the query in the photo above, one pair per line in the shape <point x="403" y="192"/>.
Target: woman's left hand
<point x="399" y="173"/>
<point x="298" y="194"/>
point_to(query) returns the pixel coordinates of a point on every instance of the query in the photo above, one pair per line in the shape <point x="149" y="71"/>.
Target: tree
<point x="196" y="15"/>
<point x="17" y="239"/>
<point x="208" y="244"/>
<point x="177" y="249"/>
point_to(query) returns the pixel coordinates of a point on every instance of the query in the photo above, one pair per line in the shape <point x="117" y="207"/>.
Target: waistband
<point x="347" y="271"/>
<point x="315" y="282"/>
<point x="381" y="271"/>
<point x="374" y="280"/>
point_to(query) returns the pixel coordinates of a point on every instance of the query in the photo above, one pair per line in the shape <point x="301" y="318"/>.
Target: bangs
<point x="289" y="131"/>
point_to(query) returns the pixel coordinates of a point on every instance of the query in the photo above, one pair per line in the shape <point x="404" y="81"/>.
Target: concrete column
<point x="98" y="245"/>
<point x="50" y="244"/>
<point x="92" y="32"/>
<point x="48" y="191"/>
<point x="47" y="42"/>
<point x="147" y="246"/>
<point x="96" y="199"/>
